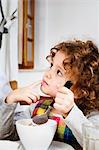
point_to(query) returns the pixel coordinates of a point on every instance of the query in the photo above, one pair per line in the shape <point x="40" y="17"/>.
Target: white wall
<point x="56" y="21"/>
<point x="72" y="19"/>
<point x="29" y="77"/>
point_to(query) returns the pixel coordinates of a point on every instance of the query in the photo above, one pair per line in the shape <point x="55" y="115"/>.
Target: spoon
<point x="68" y="84"/>
<point x="43" y="118"/>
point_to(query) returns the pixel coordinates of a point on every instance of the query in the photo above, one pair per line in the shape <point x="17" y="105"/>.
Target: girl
<point x="74" y="61"/>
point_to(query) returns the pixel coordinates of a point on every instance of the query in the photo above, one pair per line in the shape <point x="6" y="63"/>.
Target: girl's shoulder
<point x="93" y="116"/>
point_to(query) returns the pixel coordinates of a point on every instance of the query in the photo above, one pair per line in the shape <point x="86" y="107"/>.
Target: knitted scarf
<point x="63" y="133"/>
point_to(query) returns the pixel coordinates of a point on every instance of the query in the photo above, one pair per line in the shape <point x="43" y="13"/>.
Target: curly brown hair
<point x="84" y="58"/>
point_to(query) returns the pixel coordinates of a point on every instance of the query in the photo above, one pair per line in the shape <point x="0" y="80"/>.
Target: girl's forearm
<point x="7" y="127"/>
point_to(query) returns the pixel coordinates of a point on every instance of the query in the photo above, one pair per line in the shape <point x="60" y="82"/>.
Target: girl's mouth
<point x="44" y="83"/>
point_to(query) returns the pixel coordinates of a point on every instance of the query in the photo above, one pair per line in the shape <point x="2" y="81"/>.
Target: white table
<point x="10" y="145"/>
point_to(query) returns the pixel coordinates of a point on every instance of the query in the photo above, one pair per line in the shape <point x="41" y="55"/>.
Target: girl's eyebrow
<point x="62" y="69"/>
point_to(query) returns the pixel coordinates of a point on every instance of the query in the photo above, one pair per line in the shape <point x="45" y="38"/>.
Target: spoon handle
<point x="48" y="110"/>
<point x="68" y="84"/>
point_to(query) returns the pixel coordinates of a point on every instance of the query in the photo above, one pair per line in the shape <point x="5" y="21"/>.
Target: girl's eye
<point x="59" y="73"/>
<point x="51" y="65"/>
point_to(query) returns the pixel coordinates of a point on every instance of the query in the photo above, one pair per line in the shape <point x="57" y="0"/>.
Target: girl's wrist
<point x="66" y="114"/>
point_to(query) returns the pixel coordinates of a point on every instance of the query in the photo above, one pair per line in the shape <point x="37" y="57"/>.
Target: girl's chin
<point x="44" y="90"/>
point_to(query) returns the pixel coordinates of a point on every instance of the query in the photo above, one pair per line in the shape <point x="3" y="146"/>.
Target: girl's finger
<point x="59" y="100"/>
<point x="62" y="108"/>
<point x="36" y="95"/>
<point x="64" y="90"/>
<point x="58" y="107"/>
<point x="66" y="101"/>
<point x="26" y="99"/>
<point x="35" y="84"/>
<point x="33" y="97"/>
<point x="60" y="95"/>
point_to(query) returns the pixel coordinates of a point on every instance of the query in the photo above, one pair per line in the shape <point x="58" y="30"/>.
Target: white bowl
<point x="37" y="137"/>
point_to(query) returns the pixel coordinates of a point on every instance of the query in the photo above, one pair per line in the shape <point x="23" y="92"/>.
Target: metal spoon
<point x="43" y="118"/>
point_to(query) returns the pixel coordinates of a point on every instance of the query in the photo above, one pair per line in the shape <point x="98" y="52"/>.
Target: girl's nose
<point x="48" y="74"/>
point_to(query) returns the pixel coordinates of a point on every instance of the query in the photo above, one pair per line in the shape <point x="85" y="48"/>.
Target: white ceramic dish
<point x="37" y="137"/>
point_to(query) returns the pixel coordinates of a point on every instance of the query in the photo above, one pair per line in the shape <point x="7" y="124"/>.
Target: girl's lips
<point x="44" y="83"/>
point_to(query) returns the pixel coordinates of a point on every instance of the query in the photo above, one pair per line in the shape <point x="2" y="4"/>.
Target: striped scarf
<point x="63" y="133"/>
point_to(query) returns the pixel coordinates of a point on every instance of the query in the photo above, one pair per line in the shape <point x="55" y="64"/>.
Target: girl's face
<point x="55" y="77"/>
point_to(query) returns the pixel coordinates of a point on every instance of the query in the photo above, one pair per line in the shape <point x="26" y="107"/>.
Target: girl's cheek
<point x="57" y="87"/>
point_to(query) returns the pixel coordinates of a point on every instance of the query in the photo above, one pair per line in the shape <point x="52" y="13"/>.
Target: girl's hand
<point x="23" y="94"/>
<point x="64" y="100"/>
